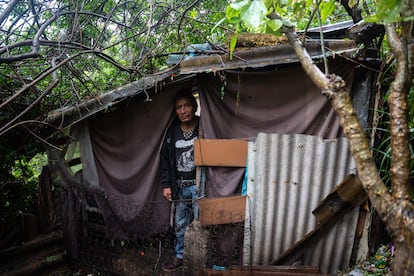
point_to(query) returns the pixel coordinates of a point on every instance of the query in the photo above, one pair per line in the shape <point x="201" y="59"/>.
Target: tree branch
<point x="42" y="76"/>
<point x="35" y="44"/>
<point x="334" y="87"/>
<point x="317" y="76"/>
<point x="7" y="127"/>
<point x="182" y="18"/>
<point x="354" y="12"/>
<point x="398" y="104"/>
<point x="8" y="10"/>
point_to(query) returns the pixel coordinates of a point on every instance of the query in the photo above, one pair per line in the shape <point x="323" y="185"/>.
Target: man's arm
<point x="165" y="168"/>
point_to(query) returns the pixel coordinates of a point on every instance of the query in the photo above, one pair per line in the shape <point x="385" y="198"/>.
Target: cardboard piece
<point x="220" y="152"/>
<point x="224" y="210"/>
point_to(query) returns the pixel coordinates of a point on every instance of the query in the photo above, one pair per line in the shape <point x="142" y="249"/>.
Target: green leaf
<point x="283" y="3"/>
<point x="233" y="45"/>
<point x="239" y="5"/>
<point x="327" y="9"/>
<point x="222" y="92"/>
<point x="232" y="15"/>
<point x="408" y="18"/>
<point x="389" y="10"/>
<point x="270" y="4"/>
<point x="273" y="26"/>
<point x="218" y="24"/>
<point x="255" y="15"/>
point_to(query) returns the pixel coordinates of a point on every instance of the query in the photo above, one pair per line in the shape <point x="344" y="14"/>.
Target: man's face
<point x="184" y="110"/>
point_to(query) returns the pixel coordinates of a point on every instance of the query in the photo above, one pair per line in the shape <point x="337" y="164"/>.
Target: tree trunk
<point x="395" y="210"/>
<point x="403" y="263"/>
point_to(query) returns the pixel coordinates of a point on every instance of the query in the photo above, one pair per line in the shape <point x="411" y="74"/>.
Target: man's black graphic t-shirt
<point x="184" y="154"/>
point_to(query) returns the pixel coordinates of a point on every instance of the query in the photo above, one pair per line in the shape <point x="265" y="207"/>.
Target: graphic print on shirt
<point x="185" y="155"/>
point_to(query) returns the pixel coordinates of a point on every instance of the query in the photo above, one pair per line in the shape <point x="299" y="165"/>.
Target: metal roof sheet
<point x="265" y="56"/>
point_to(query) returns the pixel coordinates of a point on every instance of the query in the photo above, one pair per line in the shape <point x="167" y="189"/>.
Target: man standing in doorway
<point x="177" y="170"/>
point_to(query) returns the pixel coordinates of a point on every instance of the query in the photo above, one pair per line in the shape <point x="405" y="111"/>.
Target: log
<point x="31" y="245"/>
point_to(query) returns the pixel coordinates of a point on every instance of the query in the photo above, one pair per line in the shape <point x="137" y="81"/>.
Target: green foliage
<point x="131" y="38"/>
<point x="270" y="16"/>
<point x="19" y="185"/>
<point x="326" y="9"/>
<point x="252" y="16"/>
<point x="28" y="172"/>
<point x="383" y="149"/>
<point x="387" y="11"/>
<point x="376" y="265"/>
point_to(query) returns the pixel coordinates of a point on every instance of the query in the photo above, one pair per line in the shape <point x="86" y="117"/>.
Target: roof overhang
<point x="267" y="56"/>
<point x="70" y="115"/>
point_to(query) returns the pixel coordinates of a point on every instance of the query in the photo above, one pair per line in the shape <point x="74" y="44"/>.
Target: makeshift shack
<point x="296" y="157"/>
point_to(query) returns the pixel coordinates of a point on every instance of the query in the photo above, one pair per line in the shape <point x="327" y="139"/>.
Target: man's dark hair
<point x="188" y="95"/>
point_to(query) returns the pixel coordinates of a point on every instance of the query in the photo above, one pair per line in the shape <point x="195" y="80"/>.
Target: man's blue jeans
<point x="185" y="210"/>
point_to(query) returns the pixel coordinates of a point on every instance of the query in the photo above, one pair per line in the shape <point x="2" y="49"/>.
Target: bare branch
<point x="354" y="12"/>
<point x="105" y="26"/>
<point x="183" y="16"/>
<point x="325" y="61"/>
<point x="35" y="43"/>
<point x="8" y="10"/>
<point x="50" y="43"/>
<point x="42" y="76"/>
<point x="24" y="123"/>
<point x="7" y="127"/>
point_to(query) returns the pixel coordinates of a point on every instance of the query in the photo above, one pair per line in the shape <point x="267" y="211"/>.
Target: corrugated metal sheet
<point x="266" y="56"/>
<point x="288" y="176"/>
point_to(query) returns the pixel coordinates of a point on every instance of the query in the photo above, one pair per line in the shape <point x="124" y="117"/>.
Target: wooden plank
<point x="220" y="152"/>
<point x="224" y="210"/>
<point x="295" y="252"/>
<point x="349" y="191"/>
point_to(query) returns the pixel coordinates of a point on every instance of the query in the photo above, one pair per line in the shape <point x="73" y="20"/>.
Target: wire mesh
<point x="144" y="255"/>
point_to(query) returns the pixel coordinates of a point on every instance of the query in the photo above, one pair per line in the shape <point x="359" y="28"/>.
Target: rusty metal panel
<point x="266" y="56"/>
<point x="288" y="176"/>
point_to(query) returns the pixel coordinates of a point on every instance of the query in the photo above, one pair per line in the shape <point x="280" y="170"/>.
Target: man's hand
<point x="167" y="193"/>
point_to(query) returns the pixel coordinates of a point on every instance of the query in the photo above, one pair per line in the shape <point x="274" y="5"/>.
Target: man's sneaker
<point x="173" y="264"/>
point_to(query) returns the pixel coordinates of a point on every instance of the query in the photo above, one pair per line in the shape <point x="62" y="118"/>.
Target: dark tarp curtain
<point x="240" y="104"/>
<point x="126" y="142"/>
